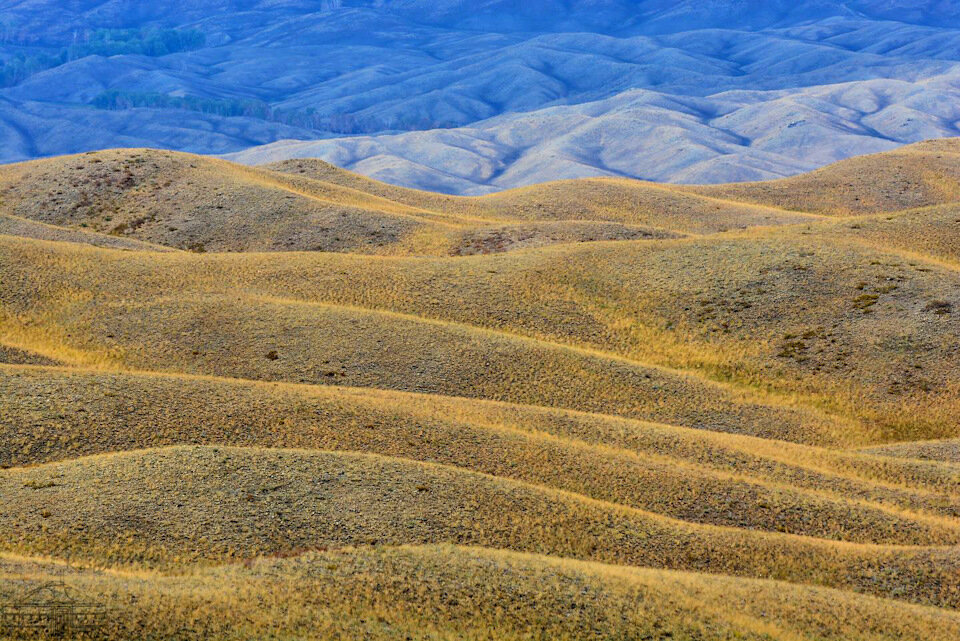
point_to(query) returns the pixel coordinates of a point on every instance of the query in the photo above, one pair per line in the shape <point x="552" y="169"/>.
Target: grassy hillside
<point x="201" y="204"/>
<point x="219" y="388"/>
<point x="918" y="175"/>
<point x="475" y="593"/>
<point x="642" y="465"/>
<point x="149" y="507"/>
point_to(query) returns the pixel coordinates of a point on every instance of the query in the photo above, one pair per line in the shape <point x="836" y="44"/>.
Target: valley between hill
<point x="595" y="408"/>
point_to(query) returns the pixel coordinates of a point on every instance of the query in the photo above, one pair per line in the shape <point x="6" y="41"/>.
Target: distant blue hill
<point x="470" y="97"/>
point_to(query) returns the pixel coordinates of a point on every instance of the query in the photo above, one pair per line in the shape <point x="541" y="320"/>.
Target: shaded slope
<point x="947" y="450"/>
<point x="15" y="226"/>
<point x="16" y="356"/>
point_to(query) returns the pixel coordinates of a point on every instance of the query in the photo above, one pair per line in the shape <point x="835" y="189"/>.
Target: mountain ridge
<point x="461" y="82"/>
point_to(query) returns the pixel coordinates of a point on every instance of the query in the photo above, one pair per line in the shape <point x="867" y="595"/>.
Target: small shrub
<point x="864" y="302"/>
<point x="939" y="307"/>
<point x="39" y="485"/>
<point x="792" y="349"/>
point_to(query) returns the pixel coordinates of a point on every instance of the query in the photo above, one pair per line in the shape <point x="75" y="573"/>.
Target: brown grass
<point x="750" y="383"/>
<point x="652" y="467"/>
<point x="453" y="593"/>
<point x="914" y="176"/>
<point x="147" y="507"/>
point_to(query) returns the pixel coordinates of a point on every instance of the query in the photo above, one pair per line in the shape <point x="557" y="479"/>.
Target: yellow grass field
<point x="290" y="402"/>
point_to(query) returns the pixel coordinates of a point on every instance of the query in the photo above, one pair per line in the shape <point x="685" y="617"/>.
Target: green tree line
<point x="103" y="42"/>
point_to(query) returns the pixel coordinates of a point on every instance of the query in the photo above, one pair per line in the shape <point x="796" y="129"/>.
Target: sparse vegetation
<point x="145" y="42"/>
<point x="864" y="302"/>
<point x="579" y="410"/>
<point x="116" y="99"/>
<point x="939" y="307"/>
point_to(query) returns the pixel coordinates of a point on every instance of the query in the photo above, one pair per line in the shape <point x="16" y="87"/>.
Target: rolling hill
<point x="594" y="408"/>
<point x="473" y="98"/>
<point x="730" y="136"/>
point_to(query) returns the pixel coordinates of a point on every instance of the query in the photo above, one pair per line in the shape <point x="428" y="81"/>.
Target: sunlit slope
<point x="926" y="233"/>
<point x="919" y="175"/>
<point x="202" y="204"/>
<point x="473" y="594"/>
<point x="227" y="336"/>
<point x="648" y="466"/>
<point x="702" y="389"/>
<point x="197" y="203"/>
<point x="612" y="200"/>
<point x="182" y="201"/>
<point x="854" y="329"/>
<point x="149" y="506"/>
<point x="913" y="176"/>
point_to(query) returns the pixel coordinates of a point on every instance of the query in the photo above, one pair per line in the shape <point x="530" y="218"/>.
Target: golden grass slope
<point x="630" y="202"/>
<point x="918" y="175"/>
<point x="202" y="204"/>
<point x="237" y="336"/>
<point x="913" y="176"/>
<point x="586" y="409"/>
<point x="147" y="507"/>
<point x="653" y="467"/>
<point x="447" y="593"/>
<point x="777" y="317"/>
<point x="925" y="234"/>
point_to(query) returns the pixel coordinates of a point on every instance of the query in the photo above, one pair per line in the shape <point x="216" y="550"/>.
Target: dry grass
<point x="919" y="175"/>
<point x="778" y="316"/>
<point x="446" y="593"/>
<point x="743" y="381"/>
<point x="947" y="450"/>
<point x="204" y="205"/>
<point x="652" y="467"/>
<point x="628" y="202"/>
<point x="15" y="226"/>
<point x="147" y="508"/>
<point x="925" y="235"/>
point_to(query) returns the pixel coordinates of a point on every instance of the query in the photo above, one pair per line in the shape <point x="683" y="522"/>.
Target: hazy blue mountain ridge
<point x="50" y="19"/>
<point x="756" y="89"/>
